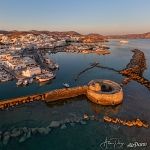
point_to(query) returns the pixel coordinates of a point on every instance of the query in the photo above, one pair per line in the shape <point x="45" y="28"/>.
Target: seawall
<point x="47" y="96"/>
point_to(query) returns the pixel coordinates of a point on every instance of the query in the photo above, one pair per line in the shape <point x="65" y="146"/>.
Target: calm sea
<point x="136" y="104"/>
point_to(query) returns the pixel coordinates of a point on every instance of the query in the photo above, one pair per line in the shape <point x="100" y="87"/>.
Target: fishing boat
<point x="124" y="41"/>
<point x="57" y="66"/>
<point x="66" y="85"/>
<point x="25" y="82"/>
<point x="45" y="77"/>
<point x="30" y="80"/>
<point x="19" y="82"/>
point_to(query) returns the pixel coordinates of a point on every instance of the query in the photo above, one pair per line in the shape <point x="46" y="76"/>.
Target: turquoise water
<point x="93" y="133"/>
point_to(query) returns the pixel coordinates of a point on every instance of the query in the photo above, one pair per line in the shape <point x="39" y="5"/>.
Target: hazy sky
<point x="85" y="16"/>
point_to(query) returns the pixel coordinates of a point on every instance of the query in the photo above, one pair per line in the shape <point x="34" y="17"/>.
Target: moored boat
<point x="19" y="82"/>
<point x="124" y="41"/>
<point x="66" y="85"/>
<point x="45" y="77"/>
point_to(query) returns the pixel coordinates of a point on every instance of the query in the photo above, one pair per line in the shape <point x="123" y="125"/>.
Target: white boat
<point x="66" y="85"/>
<point x="57" y="66"/>
<point x="19" y="82"/>
<point x="25" y="82"/>
<point x="31" y="80"/>
<point x="124" y="41"/>
<point x="45" y="77"/>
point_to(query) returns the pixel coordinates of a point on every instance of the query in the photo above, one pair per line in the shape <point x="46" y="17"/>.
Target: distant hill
<point x="131" y="36"/>
<point x="86" y="38"/>
<point x="93" y="37"/>
<point x="39" y="32"/>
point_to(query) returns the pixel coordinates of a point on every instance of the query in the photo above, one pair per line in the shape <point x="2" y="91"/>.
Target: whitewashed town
<point x="26" y="57"/>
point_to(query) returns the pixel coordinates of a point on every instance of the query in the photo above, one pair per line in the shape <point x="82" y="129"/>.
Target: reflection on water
<point x="103" y="110"/>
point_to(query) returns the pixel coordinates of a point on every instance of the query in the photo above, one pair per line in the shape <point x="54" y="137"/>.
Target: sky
<point x="84" y="16"/>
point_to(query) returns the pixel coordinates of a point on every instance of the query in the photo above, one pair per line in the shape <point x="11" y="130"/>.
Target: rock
<point x="92" y="117"/>
<point x="44" y="131"/>
<point x="78" y="119"/>
<point x="72" y="114"/>
<point x="72" y="124"/>
<point x="28" y="135"/>
<point x="24" y="129"/>
<point x="63" y="126"/>
<point x="34" y="130"/>
<point x="6" y="138"/>
<point x="82" y="122"/>
<point x="86" y="117"/>
<point x="139" y="123"/>
<point x="23" y="138"/>
<point x="67" y="120"/>
<point x="54" y="124"/>
<point x="15" y="133"/>
<point x="107" y="119"/>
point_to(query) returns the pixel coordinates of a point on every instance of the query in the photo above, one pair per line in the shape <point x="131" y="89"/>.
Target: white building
<point x="30" y="71"/>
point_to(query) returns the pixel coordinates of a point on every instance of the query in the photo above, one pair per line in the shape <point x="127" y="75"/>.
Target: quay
<point x="103" y="92"/>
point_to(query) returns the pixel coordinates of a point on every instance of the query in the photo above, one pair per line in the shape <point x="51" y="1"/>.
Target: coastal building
<point x="31" y="71"/>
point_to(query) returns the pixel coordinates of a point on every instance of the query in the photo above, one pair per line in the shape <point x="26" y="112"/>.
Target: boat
<point x="19" y="82"/>
<point x="124" y="41"/>
<point x="25" y="82"/>
<point x="30" y="80"/>
<point x="57" y="66"/>
<point x="66" y="85"/>
<point x="45" y="77"/>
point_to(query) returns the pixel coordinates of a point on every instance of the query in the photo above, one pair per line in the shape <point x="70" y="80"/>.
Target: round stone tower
<point x="105" y="92"/>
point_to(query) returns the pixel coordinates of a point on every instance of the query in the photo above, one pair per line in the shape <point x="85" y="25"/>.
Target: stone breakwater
<point x="47" y="97"/>
<point x="130" y="123"/>
<point x="103" y="92"/>
<point x="24" y="133"/>
<point x="134" y="70"/>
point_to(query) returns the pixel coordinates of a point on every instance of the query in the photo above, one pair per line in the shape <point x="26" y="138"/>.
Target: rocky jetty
<point x="129" y="123"/>
<point x="134" y="70"/>
<point x="137" y="64"/>
<point x="24" y="133"/>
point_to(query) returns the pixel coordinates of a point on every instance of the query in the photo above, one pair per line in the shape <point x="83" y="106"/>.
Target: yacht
<point x="19" y="82"/>
<point x="124" y="41"/>
<point x="25" y="82"/>
<point x="66" y="85"/>
<point x="45" y="77"/>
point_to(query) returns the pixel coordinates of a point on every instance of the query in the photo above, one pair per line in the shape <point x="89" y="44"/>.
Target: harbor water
<point x="80" y="135"/>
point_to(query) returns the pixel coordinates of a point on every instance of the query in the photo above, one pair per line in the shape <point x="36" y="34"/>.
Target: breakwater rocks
<point x="134" y="70"/>
<point x="137" y="64"/>
<point x="24" y="133"/>
<point x="47" y="97"/>
<point x="108" y="93"/>
<point x="137" y="122"/>
<point x="21" y="100"/>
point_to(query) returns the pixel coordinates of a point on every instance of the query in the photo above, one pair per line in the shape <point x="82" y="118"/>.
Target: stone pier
<point x="97" y="91"/>
<point x="50" y="96"/>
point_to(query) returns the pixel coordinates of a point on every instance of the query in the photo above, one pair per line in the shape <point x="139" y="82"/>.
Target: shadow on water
<point x="66" y="101"/>
<point x="104" y="110"/>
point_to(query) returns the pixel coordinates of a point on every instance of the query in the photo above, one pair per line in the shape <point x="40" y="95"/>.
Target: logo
<point x="112" y="143"/>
